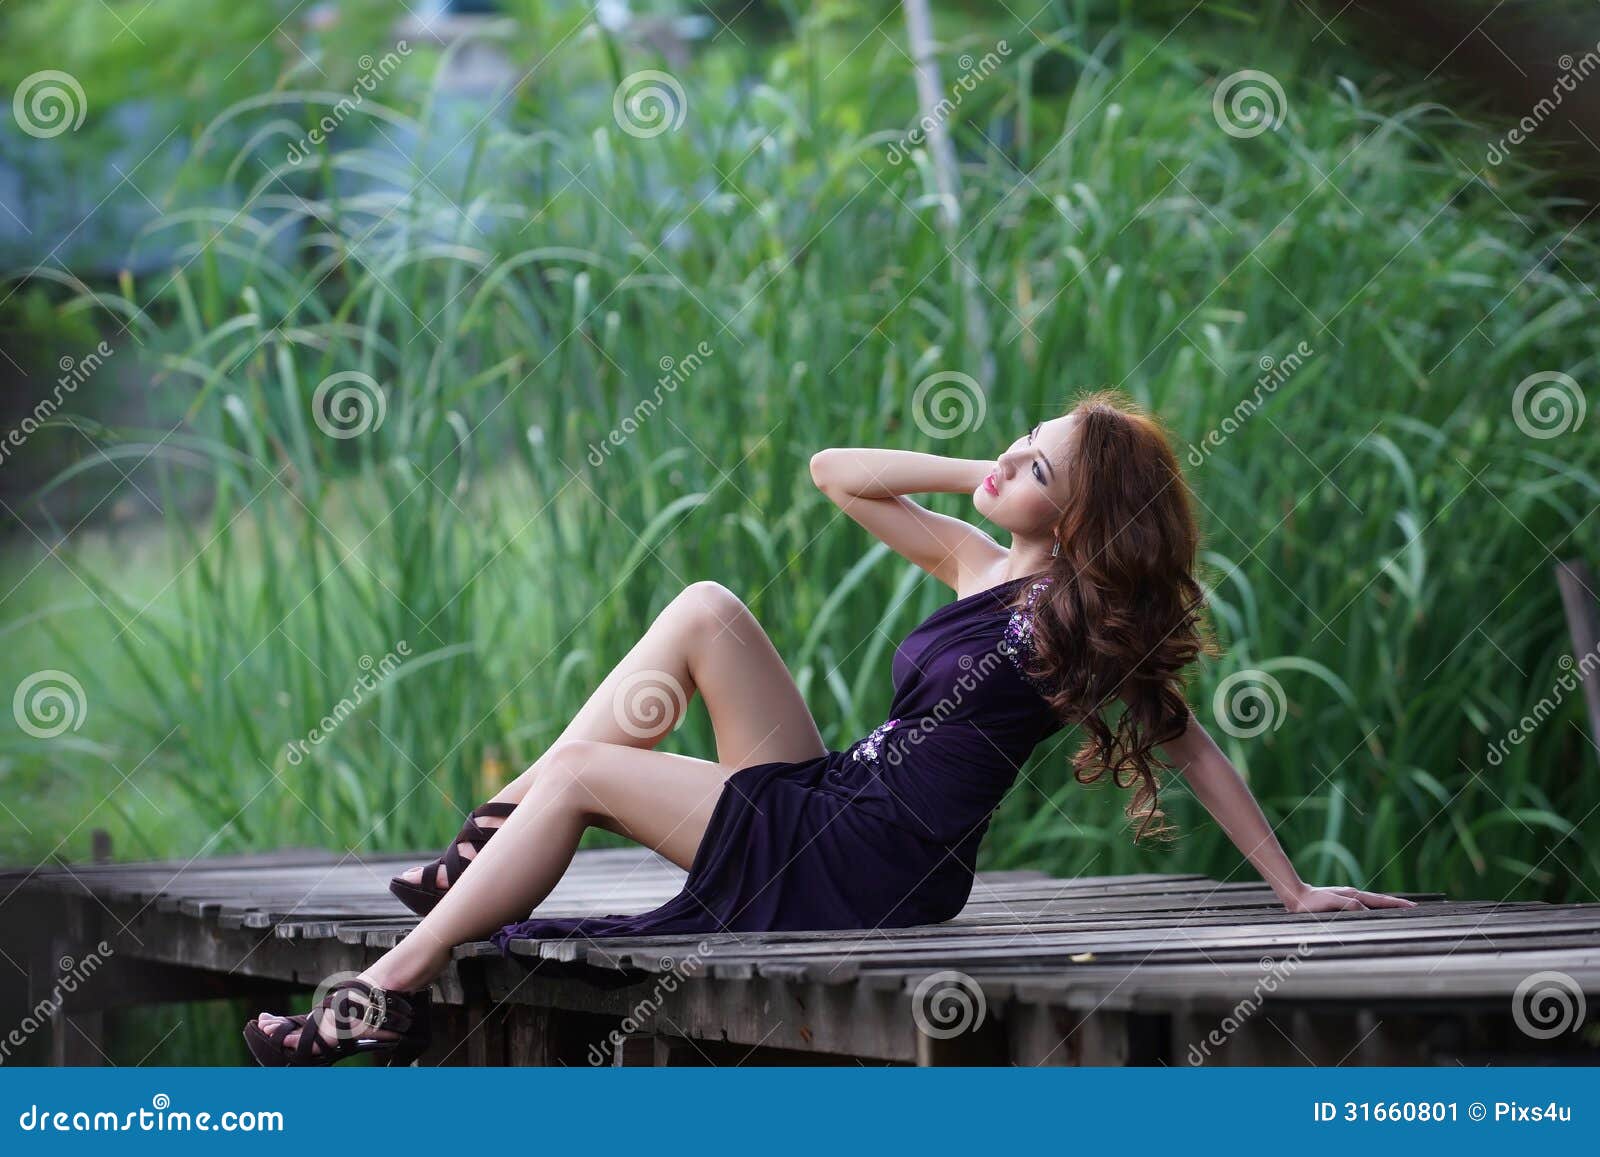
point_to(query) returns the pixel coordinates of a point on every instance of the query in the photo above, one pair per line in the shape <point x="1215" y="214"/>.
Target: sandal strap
<point x="310" y="1046"/>
<point x="286" y="1025"/>
<point x="399" y="1012"/>
<point x="378" y="1008"/>
<point x="473" y="835"/>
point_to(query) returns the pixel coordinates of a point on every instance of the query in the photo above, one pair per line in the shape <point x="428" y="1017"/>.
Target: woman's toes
<point x="441" y="878"/>
<point x="413" y="876"/>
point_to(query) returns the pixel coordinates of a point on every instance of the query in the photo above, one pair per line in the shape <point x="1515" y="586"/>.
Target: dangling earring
<point x="1055" y="551"/>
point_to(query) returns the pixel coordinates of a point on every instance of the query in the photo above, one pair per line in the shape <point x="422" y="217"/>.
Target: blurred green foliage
<point x="513" y="278"/>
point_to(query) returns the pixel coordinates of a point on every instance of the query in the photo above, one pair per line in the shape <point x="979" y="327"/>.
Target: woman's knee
<point x="708" y="603"/>
<point x="573" y="774"/>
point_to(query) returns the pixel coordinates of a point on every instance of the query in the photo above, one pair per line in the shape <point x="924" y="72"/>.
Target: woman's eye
<point x="1038" y="473"/>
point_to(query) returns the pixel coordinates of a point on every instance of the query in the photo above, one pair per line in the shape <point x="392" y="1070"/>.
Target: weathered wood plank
<point x="1093" y="970"/>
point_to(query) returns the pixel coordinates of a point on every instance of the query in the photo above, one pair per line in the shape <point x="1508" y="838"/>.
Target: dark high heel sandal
<point x="421" y="897"/>
<point x="355" y="1023"/>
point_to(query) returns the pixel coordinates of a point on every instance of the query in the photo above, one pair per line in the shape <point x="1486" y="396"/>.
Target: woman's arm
<point x="869" y="485"/>
<point x="1219" y="787"/>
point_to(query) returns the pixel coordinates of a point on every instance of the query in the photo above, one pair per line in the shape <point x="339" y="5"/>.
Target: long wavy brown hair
<point x="1123" y="617"/>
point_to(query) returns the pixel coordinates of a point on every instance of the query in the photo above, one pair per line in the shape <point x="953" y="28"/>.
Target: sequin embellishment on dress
<point x="868" y="747"/>
<point x="1016" y="643"/>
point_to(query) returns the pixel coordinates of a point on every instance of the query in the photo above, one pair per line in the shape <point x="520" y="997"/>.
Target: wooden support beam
<point x="58" y="967"/>
<point x="541" y="1035"/>
<point x="1054" y="1035"/>
<point x="635" y="1051"/>
<point x="956" y="1022"/>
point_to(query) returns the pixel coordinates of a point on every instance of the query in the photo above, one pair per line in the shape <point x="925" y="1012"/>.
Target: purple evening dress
<point x="882" y="834"/>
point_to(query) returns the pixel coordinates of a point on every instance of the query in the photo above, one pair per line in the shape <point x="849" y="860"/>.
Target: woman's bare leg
<point x="705" y="640"/>
<point x="660" y="799"/>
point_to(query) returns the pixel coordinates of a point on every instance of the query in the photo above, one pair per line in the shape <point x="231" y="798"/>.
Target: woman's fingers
<point x="1372" y="899"/>
<point x="1380" y="900"/>
<point x="1344" y="898"/>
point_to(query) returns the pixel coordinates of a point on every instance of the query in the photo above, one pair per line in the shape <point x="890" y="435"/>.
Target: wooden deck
<point x="1147" y="969"/>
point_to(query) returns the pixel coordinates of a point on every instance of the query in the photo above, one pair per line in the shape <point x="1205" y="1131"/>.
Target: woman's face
<point x="1025" y="491"/>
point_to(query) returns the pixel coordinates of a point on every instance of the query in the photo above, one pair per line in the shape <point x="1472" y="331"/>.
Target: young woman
<point x="1094" y="604"/>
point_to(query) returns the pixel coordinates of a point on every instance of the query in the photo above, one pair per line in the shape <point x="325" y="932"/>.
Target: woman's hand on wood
<point x="1341" y="898"/>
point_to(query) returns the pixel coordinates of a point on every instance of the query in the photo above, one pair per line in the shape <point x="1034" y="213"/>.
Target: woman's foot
<point x="351" y="1015"/>
<point x="464" y="850"/>
<point x="421" y="888"/>
<point x="328" y="1028"/>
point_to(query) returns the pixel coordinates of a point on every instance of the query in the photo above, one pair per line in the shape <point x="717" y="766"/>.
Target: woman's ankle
<point x="402" y="974"/>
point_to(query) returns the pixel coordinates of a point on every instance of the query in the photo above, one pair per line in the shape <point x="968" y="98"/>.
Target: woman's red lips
<point x="988" y="484"/>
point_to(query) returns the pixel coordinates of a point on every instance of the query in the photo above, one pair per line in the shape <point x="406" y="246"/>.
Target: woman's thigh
<point x="757" y="711"/>
<point x="656" y="798"/>
<point x="704" y="640"/>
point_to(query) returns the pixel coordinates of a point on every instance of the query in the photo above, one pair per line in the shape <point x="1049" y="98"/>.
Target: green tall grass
<point x="1379" y="533"/>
